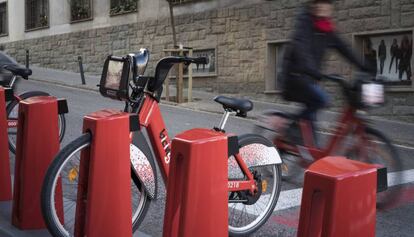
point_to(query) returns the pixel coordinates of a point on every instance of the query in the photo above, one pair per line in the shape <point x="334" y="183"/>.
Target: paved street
<point x="395" y="221"/>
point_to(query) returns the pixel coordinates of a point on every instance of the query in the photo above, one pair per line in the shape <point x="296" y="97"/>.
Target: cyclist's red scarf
<point x="323" y="24"/>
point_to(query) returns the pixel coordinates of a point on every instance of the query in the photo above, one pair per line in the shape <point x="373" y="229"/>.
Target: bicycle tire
<point x="291" y="170"/>
<point x="47" y="206"/>
<point x="11" y="107"/>
<point x="244" y="141"/>
<point x="392" y="161"/>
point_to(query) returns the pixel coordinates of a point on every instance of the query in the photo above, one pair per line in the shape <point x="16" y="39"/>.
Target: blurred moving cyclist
<point x="314" y="34"/>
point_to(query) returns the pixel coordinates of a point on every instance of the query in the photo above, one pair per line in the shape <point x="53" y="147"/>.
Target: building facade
<point x="244" y="40"/>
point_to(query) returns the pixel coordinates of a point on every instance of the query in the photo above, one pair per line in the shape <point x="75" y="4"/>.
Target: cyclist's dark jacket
<point x="304" y="54"/>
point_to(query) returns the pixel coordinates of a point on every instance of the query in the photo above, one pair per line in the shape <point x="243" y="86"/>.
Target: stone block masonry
<point x="239" y="34"/>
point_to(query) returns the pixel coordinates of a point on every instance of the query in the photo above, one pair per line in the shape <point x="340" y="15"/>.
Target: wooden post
<point x="190" y="78"/>
<point x="180" y="75"/>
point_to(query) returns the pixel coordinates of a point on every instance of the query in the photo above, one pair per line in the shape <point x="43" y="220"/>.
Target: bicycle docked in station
<point x="10" y="72"/>
<point x="254" y="173"/>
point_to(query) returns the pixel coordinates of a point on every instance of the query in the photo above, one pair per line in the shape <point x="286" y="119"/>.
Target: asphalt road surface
<point x="394" y="221"/>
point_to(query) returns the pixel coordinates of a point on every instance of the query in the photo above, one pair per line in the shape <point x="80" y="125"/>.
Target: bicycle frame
<point x="151" y="119"/>
<point x="347" y="122"/>
<point x="12" y="123"/>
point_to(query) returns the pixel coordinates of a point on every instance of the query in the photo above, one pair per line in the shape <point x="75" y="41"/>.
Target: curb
<point x="77" y="86"/>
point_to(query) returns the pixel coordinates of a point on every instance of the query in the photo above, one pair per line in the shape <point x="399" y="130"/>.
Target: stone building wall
<point x="240" y="36"/>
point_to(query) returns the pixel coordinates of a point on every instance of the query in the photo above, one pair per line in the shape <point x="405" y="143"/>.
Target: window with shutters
<point x="37" y="14"/>
<point x="123" y="6"/>
<point x="80" y="10"/>
<point x="3" y="19"/>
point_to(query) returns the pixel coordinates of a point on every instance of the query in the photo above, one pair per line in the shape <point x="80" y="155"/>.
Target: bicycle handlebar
<point x="338" y="79"/>
<point x="18" y="70"/>
<point x="164" y="66"/>
<point x="199" y="60"/>
<point x="360" y="78"/>
<point x="334" y="77"/>
<point x="175" y="59"/>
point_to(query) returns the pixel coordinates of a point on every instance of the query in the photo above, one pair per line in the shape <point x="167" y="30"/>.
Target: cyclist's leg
<point x="305" y="91"/>
<point x="295" y="90"/>
<point x="316" y="99"/>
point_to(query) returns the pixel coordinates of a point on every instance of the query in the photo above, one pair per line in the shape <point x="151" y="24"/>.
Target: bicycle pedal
<point x="285" y="168"/>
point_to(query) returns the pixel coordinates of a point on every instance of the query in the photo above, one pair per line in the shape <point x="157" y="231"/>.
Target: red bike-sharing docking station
<point x="104" y="199"/>
<point x="339" y="198"/>
<point x="197" y="192"/>
<point x="6" y="94"/>
<point x="37" y="144"/>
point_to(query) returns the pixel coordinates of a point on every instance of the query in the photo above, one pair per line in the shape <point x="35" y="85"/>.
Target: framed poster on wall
<point x="391" y="54"/>
<point x="208" y="69"/>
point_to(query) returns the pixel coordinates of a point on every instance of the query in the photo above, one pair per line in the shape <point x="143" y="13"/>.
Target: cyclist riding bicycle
<point x="314" y="34"/>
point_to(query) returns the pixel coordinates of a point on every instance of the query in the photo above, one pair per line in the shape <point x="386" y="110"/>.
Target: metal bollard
<point x="82" y="73"/>
<point x="27" y="58"/>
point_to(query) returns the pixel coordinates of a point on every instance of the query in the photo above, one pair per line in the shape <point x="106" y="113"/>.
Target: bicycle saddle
<point x="9" y="64"/>
<point x="241" y="106"/>
<point x="18" y="70"/>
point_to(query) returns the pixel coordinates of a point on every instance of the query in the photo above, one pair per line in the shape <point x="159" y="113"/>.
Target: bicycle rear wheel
<point x="12" y="111"/>
<point x="375" y="148"/>
<point x="66" y="168"/>
<point x="246" y="217"/>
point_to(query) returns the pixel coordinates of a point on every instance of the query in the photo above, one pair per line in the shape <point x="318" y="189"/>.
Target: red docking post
<point x="37" y="144"/>
<point x="5" y="177"/>
<point x="339" y="199"/>
<point x="104" y="200"/>
<point x="197" y="187"/>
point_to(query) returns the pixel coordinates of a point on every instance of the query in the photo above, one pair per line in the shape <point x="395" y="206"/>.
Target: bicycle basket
<point x="115" y="78"/>
<point x="370" y="94"/>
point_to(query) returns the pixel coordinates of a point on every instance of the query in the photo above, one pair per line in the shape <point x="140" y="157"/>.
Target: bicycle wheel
<point x="12" y="111"/>
<point x="248" y="212"/>
<point x="272" y="125"/>
<point x="375" y="148"/>
<point x="66" y="168"/>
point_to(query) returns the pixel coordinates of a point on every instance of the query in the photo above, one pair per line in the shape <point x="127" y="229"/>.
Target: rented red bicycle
<point x="254" y="173"/>
<point x="352" y="137"/>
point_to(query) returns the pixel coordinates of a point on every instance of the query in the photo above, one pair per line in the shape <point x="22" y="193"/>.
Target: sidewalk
<point x="399" y="132"/>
